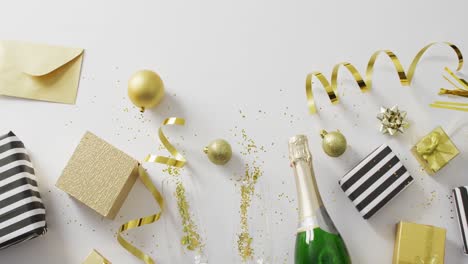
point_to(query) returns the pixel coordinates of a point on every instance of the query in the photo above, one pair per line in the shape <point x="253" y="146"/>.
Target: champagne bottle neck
<point x="308" y="195"/>
<point x="312" y="213"/>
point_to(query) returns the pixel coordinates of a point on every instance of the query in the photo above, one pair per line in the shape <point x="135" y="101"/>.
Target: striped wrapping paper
<point x="461" y="204"/>
<point x="22" y="213"/>
<point x="375" y="181"/>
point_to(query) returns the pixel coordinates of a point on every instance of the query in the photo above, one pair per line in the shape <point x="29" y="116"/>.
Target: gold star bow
<point x="392" y="120"/>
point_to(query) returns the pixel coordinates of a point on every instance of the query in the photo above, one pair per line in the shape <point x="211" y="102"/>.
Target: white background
<point x="218" y="58"/>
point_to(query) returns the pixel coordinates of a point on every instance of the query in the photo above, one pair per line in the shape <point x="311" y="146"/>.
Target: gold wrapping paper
<point x="99" y="175"/>
<point x="419" y="244"/>
<point x="95" y="258"/>
<point x="365" y="84"/>
<point x="435" y="150"/>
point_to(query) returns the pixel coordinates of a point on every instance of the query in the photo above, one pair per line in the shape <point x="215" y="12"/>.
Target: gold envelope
<point x="39" y="72"/>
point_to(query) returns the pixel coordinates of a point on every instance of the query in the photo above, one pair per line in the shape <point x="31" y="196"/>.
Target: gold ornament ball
<point x="145" y="89"/>
<point x="334" y="143"/>
<point x="219" y="151"/>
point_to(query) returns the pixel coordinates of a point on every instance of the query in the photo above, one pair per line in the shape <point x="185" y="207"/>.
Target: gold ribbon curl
<point x="179" y="161"/>
<point x="142" y="221"/>
<point x="366" y="84"/>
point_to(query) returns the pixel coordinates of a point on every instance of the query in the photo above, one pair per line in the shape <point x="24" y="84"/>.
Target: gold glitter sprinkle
<point x="172" y="171"/>
<point x="191" y="238"/>
<point x="244" y="242"/>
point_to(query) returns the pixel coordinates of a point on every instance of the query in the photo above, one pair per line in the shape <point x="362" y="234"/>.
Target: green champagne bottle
<point x="317" y="240"/>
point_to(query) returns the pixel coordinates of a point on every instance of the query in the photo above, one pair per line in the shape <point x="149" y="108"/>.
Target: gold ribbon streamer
<point x="366" y="84"/>
<point x="450" y="105"/>
<point x="142" y="221"/>
<point x="179" y="161"/>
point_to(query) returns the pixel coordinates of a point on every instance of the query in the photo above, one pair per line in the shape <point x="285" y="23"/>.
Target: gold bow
<point x="436" y="149"/>
<point x="428" y="260"/>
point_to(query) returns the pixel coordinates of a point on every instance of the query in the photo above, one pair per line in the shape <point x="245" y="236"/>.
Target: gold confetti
<point x="244" y="242"/>
<point x="191" y="239"/>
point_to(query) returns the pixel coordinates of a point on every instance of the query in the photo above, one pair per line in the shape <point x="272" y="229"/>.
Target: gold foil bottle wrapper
<point x="365" y="84"/>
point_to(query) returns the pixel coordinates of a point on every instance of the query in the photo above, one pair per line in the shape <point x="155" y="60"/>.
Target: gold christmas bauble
<point x="334" y="143"/>
<point x="219" y="151"/>
<point x="145" y="89"/>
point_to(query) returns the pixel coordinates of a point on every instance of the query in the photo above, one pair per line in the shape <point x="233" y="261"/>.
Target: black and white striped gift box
<point x="375" y="181"/>
<point x="461" y="204"/>
<point x="22" y="213"/>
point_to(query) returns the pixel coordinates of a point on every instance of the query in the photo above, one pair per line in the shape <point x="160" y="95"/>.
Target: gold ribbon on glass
<point x="436" y="149"/>
<point x="142" y="221"/>
<point x="365" y="84"/>
<point x="178" y="161"/>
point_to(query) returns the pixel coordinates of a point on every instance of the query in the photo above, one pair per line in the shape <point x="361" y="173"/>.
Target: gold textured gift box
<point x="419" y="244"/>
<point x="435" y="150"/>
<point x="95" y="258"/>
<point x="99" y="175"/>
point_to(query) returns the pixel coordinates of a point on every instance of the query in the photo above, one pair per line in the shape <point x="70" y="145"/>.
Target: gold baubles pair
<point x="145" y="89"/>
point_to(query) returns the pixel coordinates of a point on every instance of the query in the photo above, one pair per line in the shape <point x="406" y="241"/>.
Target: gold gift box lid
<point x="419" y="244"/>
<point x="99" y="175"/>
<point x="435" y="150"/>
<point x="95" y="258"/>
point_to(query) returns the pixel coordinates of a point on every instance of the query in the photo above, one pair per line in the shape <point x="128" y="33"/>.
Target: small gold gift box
<point x="419" y="244"/>
<point x="435" y="151"/>
<point x="95" y="258"/>
<point x="99" y="175"/>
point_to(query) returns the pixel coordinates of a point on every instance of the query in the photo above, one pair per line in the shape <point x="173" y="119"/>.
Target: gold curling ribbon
<point x="450" y="105"/>
<point x="179" y="161"/>
<point x="366" y="84"/>
<point x="459" y="90"/>
<point x="142" y="221"/>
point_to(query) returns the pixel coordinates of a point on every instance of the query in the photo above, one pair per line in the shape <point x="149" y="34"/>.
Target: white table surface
<point x="217" y="59"/>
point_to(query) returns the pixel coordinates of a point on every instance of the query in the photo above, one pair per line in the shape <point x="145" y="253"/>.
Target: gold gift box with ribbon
<point x="419" y="244"/>
<point x="99" y="175"/>
<point x="95" y="258"/>
<point x="435" y="151"/>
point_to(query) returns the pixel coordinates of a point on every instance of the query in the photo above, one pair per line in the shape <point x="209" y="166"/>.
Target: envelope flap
<point x="40" y="59"/>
